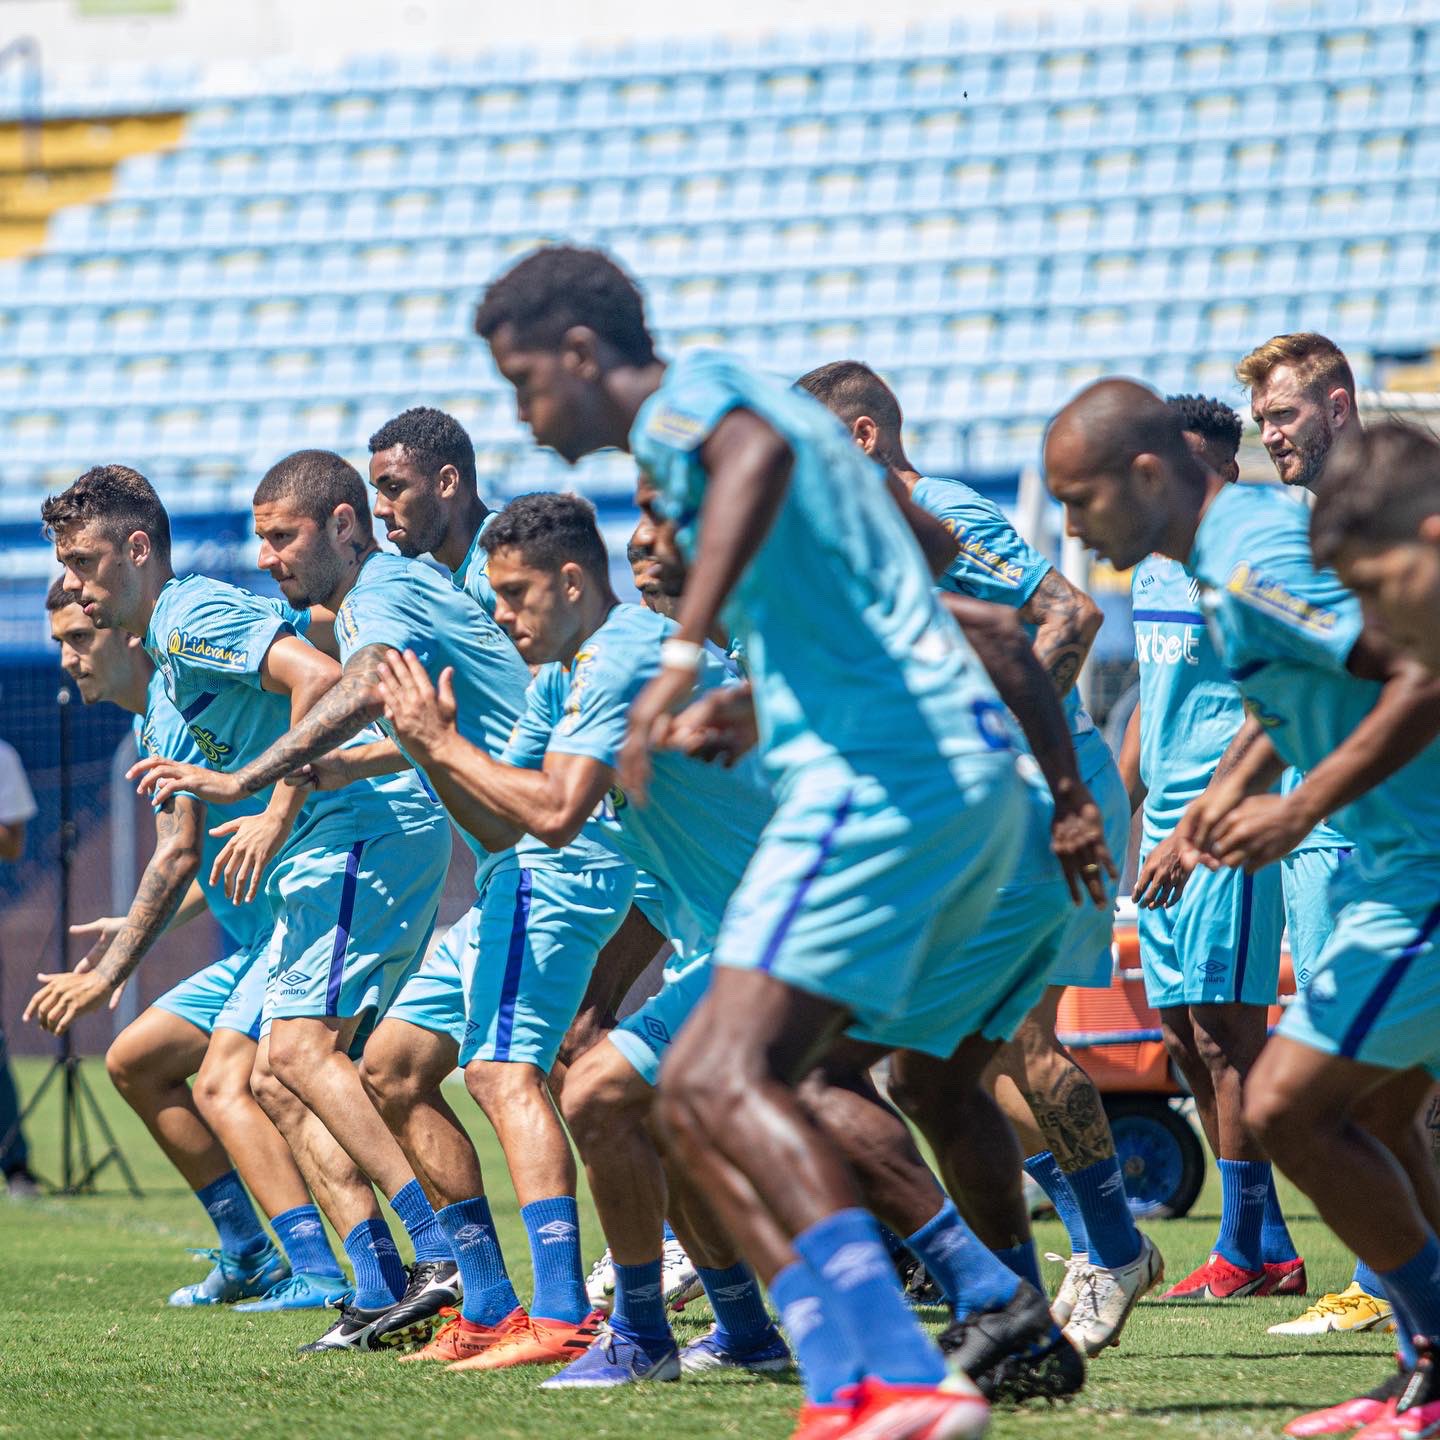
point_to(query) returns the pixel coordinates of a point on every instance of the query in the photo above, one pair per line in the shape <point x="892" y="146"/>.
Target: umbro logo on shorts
<point x="657" y="1030"/>
<point x="1214" y="969"/>
<point x="556" y="1232"/>
<point x="294" y="977"/>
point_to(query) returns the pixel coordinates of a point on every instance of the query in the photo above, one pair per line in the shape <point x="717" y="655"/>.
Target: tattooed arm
<point x="63" y="998"/>
<point x="1068" y="621"/>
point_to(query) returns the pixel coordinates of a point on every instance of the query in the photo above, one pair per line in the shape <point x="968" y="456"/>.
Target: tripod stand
<point x="80" y="1165"/>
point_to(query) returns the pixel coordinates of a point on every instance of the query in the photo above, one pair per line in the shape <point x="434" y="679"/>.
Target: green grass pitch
<point x="88" y="1347"/>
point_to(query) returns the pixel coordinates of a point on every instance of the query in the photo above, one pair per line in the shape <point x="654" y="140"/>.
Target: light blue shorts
<point x="1219" y="944"/>
<point x="525" y="965"/>
<point x="225" y="995"/>
<point x="351" y="924"/>
<point x="432" y="996"/>
<point x="645" y="1036"/>
<point x="1305" y="883"/>
<point x="1087" y="957"/>
<point x="1375" y="993"/>
<point x="863" y="897"/>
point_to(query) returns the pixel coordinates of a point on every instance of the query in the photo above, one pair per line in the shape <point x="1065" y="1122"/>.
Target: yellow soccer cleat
<point x="1351" y="1309"/>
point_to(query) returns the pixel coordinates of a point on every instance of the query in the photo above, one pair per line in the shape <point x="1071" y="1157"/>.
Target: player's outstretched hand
<point x="162" y="779"/>
<point x="422" y="716"/>
<point x="62" y="999"/>
<point x="1194" y="830"/>
<point x="652" y="715"/>
<point x="719" y="726"/>
<point x="1162" y="877"/>
<point x="1077" y="836"/>
<point x="255" y="840"/>
<point x="1258" y="831"/>
<point x="329" y="772"/>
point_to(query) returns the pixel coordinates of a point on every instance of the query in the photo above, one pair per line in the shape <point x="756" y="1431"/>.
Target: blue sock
<point x="413" y="1207"/>
<point x="1244" y="1184"/>
<point x="1022" y="1260"/>
<point x="825" y="1363"/>
<point x="740" y="1313"/>
<point x="553" y="1227"/>
<point x="489" y="1296"/>
<point x="639" y="1312"/>
<point x="1276" y="1246"/>
<point x="1109" y="1226"/>
<point x="228" y="1206"/>
<point x="379" y="1275"/>
<point x="1414" y="1290"/>
<point x="667" y="1233"/>
<point x="1367" y="1279"/>
<point x="969" y="1276"/>
<point x="302" y="1236"/>
<point x="1045" y="1171"/>
<point x="1404" y="1327"/>
<point x="862" y="1297"/>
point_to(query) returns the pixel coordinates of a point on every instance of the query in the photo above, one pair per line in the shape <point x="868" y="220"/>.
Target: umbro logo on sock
<point x="468" y="1237"/>
<point x="732" y="1292"/>
<point x="952" y="1242"/>
<point x="306" y="1230"/>
<point x="383" y="1247"/>
<point x="1111" y="1183"/>
<point x="556" y="1232"/>
<point x="643" y="1294"/>
<point x="854" y="1264"/>
<point x="1255" y="1192"/>
<point x="801" y="1316"/>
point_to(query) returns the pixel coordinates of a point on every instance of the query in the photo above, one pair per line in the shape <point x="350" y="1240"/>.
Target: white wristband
<point x="676" y="654"/>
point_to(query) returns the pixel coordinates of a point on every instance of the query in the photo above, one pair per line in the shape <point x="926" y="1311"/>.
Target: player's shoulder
<point x="954" y="499"/>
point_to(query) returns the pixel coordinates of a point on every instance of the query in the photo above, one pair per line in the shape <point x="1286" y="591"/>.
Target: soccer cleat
<point x="350" y="1332"/>
<point x="234" y="1277"/>
<point x="1414" y="1414"/>
<point x="951" y="1410"/>
<point x="1069" y="1292"/>
<point x="710" y="1352"/>
<point x="1349" y="1414"/>
<point x="1108" y="1296"/>
<point x="1217" y="1279"/>
<point x="456" y="1339"/>
<point x="302" y="1291"/>
<point x="679" y="1280"/>
<point x="1013" y="1353"/>
<point x="600" y="1284"/>
<point x="432" y="1286"/>
<point x="615" y="1360"/>
<point x="1352" y="1309"/>
<point x="1284" y="1277"/>
<point x="822" y="1422"/>
<point x="533" y="1341"/>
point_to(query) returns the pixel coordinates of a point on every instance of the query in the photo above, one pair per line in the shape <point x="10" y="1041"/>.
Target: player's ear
<point x="1340" y="405"/>
<point x="1429" y="530"/>
<point x="573" y="579"/>
<point x="865" y="433"/>
<point x="449" y="480"/>
<point x="580" y="353"/>
<point x="138" y="547"/>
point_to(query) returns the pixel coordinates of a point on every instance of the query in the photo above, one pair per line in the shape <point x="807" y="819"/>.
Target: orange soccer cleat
<point x="533" y="1341"/>
<point x="457" y="1339"/>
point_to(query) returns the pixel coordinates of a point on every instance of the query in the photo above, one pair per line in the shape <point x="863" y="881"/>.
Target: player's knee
<point x="217" y="1090"/>
<point x="597" y="1102"/>
<point x="130" y="1066"/>
<point x="390" y="1086"/>
<point x="914" y="1096"/>
<point x="1275" y="1113"/>
<point x="500" y="1085"/>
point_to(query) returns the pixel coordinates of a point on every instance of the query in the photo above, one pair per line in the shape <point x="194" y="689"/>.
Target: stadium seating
<point x="993" y="210"/>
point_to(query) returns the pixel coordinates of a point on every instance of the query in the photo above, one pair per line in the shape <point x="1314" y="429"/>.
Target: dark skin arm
<point x="1068" y="621"/>
<point x="12" y="840"/>
<point x="936" y="542"/>
<point x="1129" y="761"/>
<point x="63" y="998"/>
<point x="1078" y="832"/>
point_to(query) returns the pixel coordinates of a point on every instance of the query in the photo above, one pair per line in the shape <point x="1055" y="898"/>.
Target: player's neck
<point x="1179" y="538"/>
<point x="594" y="607"/>
<point x="628" y="387"/>
<point x="138" y="621"/>
<point x="460" y="533"/>
<point x="134" y="694"/>
<point x="354" y="564"/>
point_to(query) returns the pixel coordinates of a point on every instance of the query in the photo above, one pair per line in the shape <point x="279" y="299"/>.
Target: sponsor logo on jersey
<point x="675" y="427"/>
<point x="1008" y="572"/>
<point x="197" y="647"/>
<point x="346" y="622"/>
<point x="1273" y="597"/>
<point x="1154" y="646"/>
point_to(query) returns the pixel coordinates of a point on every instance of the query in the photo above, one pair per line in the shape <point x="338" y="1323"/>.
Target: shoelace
<point x="1087" y="1300"/>
<point x="231" y="1267"/>
<point x="290" y="1285"/>
<point x="1337" y="1304"/>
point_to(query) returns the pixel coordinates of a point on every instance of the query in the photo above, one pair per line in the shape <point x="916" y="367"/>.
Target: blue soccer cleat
<point x="234" y="1277"/>
<point x="301" y="1291"/>
<point x="712" y="1352"/>
<point x="615" y="1360"/>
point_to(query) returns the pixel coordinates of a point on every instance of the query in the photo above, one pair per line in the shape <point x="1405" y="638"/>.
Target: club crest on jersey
<point x="210" y="746"/>
<point x="197" y="647"/>
<point x="1271" y="596"/>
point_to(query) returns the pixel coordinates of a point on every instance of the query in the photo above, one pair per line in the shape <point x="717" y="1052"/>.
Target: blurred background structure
<point x="230" y="231"/>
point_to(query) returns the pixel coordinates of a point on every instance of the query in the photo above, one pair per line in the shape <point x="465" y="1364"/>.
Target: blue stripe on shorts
<point x="1242" y="955"/>
<point x="514" y="964"/>
<point x="822" y="853"/>
<point x="342" y="930"/>
<point x="1370" y="1011"/>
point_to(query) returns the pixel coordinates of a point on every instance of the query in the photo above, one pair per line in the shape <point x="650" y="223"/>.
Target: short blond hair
<point x="1319" y="363"/>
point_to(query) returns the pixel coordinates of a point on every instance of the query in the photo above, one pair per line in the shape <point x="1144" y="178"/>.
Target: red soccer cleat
<point x="1217" y="1279"/>
<point x="951" y="1410"/>
<point x="822" y="1422"/>
<point x="1349" y="1414"/>
<point x="1284" y="1277"/>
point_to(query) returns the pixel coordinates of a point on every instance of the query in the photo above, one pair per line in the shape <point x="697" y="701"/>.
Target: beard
<point x="1312" y="453"/>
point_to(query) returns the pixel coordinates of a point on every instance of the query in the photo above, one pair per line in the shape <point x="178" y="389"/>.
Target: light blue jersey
<point x="473" y="576"/>
<point x="855" y="665"/>
<point x="209" y="639"/>
<point x="703" y="822"/>
<point x="1285" y="631"/>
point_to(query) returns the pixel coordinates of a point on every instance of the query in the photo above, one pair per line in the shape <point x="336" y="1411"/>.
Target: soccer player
<point x="1338" y="1090"/>
<point x="1209" y="941"/>
<point x="356" y="876"/>
<point x="882" y="738"/>
<point x="207" y="1026"/>
<point x="1052" y="1103"/>
<point x="522" y="955"/>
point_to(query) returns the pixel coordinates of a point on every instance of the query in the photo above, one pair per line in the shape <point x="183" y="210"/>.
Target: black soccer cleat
<point x="351" y="1331"/>
<point x="1015" y="1353"/>
<point x="413" y="1318"/>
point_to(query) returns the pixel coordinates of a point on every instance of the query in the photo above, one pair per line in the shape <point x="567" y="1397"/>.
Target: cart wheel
<point x="1161" y="1156"/>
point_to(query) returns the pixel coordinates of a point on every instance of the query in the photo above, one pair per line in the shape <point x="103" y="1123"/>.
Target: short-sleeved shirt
<point x="208" y="639"/>
<point x="407" y="604"/>
<point x="1285" y="630"/>
<point x="853" y="661"/>
<point x="702" y="822"/>
<point x="17" y="800"/>
<point x="473" y="576"/>
<point x="162" y="732"/>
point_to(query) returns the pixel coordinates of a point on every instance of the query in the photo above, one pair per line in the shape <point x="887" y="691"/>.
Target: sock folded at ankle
<point x="302" y="1236"/>
<point x="227" y="1203"/>
<point x="379" y="1275"/>
<point x="488" y="1294"/>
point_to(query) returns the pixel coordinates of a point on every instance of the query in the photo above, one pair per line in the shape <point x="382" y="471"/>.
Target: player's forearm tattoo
<point x="1068" y="623"/>
<point x="162" y="887"/>
<point x="1072" y="1120"/>
<point x="349" y="705"/>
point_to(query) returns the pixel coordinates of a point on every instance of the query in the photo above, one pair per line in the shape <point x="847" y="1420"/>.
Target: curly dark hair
<point x="560" y="286"/>
<point x="431" y="437"/>
<point x="550" y="530"/>
<point x="1212" y="420"/>
<point x="1376" y="488"/>
<point x="115" y="498"/>
<point x="316" y="481"/>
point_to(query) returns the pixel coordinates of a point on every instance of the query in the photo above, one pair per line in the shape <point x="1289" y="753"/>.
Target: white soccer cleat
<point x="679" y="1280"/>
<point x="600" y="1284"/>
<point x="1106" y="1298"/>
<point x="1076" y="1268"/>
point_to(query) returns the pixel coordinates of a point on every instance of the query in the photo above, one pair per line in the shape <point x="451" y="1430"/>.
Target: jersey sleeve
<point x="227" y="634"/>
<point x="377" y="615"/>
<point x="298" y="620"/>
<point x="531" y="736"/>
<point x="994" y="563"/>
<point x="598" y="706"/>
